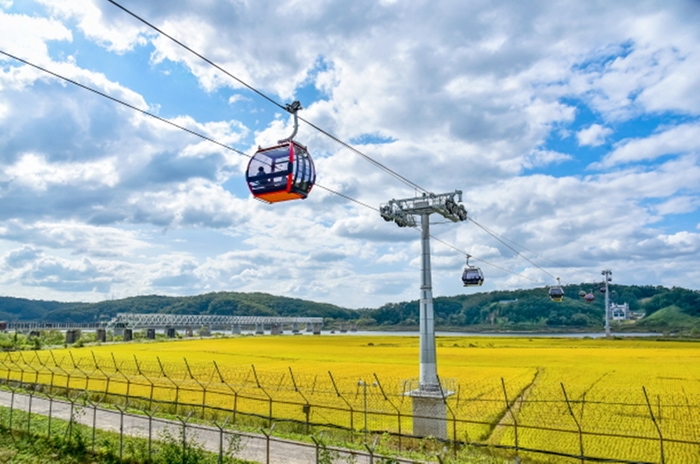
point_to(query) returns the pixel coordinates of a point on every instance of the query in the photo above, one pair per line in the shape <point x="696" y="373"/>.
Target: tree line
<point x="499" y="309"/>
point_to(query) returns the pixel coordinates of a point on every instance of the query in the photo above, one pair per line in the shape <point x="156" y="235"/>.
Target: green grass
<point x="669" y="318"/>
<point x="29" y="442"/>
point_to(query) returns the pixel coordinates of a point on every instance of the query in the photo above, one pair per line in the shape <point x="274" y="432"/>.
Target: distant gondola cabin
<point x="556" y="294"/>
<point x="280" y="173"/>
<point x="472" y="277"/>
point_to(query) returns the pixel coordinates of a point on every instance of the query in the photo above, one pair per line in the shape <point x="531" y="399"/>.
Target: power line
<point x="480" y="260"/>
<point x="271" y="100"/>
<point x="319" y="129"/>
<point x="121" y="102"/>
<point x="228" y="147"/>
<point x="494" y="235"/>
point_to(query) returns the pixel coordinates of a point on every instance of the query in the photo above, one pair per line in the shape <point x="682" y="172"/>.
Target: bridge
<point x="171" y="322"/>
<point x="192" y="321"/>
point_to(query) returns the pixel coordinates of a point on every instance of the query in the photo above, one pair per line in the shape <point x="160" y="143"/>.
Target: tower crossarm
<point x="448" y="205"/>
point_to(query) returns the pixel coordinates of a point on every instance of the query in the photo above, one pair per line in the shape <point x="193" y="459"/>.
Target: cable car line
<point x="319" y="129"/>
<point x="494" y="234"/>
<point x="511" y="248"/>
<point x="152" y="26"/>
<point x="228" y="147"/>
<point x="271" y="100"/>
<point x="480" y="260"/>
<point x="121" y="102"/>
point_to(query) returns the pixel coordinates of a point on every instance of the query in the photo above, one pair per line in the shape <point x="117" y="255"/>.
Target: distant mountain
<point x="498" y="310"/>
<point x="224" y="303"/>
<point x="533" y="310"/>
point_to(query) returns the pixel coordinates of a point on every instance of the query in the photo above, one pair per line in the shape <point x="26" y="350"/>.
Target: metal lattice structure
<point x="402" y="212"/>
<point x="428" y="393"/>
<point x="156" y="320"/>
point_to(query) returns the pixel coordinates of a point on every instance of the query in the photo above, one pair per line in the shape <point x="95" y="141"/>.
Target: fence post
<point x="65" y="372"/>
<point x="454" y="417"/>
<point x="29" y="412"/>
<point x="69" y="431"/>
<point x="350" y="408"/>
<point x="107" y="377"/>
<point x="150" y="414"/>
<point x="94" y="405"/>
<point x="127" y="378"/>
<point x="257" y="381"/>
<point x="307" y="407"/>
<point x="75" y="366"/>
<point x="515" y="422"/>
<point x="371" y="449"/>
<point x="12" y="406"/>
<point x="36" y="371"/>
<point x="658" y="429"/>
<point x="235" y="392"/>
<point x="184" y="436"/>
<point x="267" y="442"/>
<point x="201" y="385"/>
<point x="140" y="372"/>
<point x="578" y="426"/>
<point x="177" y="387"/>
<point x="121" y="429"/>
<point x="386" y="398"/>
<point x="48" y="432"/>
<point x="319" y="444"/>
<point x="221" y="439"/>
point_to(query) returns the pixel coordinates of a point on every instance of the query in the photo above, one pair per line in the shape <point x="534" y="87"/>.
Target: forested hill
<point x="664" y="308"/>
<point x="222" y="303"/>
<point x="676" y="308"/>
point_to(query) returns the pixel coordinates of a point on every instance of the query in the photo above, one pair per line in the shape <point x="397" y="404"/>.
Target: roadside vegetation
<point x="67" y="442"/>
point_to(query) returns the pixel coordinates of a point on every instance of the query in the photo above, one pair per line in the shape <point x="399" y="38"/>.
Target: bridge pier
<point x="353" y="327"/>
<point x="309" y="326"/>
<point x="276" y="329"/>
<point x="295" y="328"/>
<point x="72" y="336"/>
<point x="128" y="335"/>
<point x="317" y="328"/>
<point x="343" y="328"/>
<point x="151" y="334"/>
<point x="170" y="332"/>
<point x="236" y="330"/>
<point x="101" y="335"/>
<point x="259" y="329"/>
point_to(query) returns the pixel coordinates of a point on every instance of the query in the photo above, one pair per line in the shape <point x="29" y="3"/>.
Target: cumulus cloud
<point x="484" y="97"/>
<point x="677" y="140"/>
<point x="594" y="135"/>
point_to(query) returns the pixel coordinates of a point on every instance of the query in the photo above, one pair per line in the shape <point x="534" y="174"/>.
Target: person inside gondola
<point x="262" y="182"/>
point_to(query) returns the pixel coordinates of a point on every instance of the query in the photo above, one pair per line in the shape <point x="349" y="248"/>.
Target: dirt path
<point x="254" y="446"/>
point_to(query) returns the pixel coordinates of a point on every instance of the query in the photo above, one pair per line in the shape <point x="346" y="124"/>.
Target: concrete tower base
<point x="429" y="414"/>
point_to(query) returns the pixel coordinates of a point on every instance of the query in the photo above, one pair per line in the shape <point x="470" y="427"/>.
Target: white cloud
<point x="676" y="140"/>
<point x="594" y="135"/>
<point x="451" y="95"/>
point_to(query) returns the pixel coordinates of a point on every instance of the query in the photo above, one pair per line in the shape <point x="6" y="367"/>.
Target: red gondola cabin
<point x="280" y="173"/>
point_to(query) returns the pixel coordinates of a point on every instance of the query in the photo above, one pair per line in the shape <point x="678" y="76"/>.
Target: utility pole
<point x="606" y="278"/>
<point x="428" y="399"/>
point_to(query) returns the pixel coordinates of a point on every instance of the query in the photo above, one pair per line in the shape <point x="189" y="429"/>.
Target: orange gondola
<point x="282" y="172"/>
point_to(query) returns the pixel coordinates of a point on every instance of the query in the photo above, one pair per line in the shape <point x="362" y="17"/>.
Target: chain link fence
<point x="556" y="422"/>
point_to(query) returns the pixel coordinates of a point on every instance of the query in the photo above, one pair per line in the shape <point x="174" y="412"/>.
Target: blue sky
<point x="571" y="127"/>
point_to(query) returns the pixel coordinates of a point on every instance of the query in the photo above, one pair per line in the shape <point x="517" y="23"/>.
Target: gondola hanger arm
<point x="293" y="108"/>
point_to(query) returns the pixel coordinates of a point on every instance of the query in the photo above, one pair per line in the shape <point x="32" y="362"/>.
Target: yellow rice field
<point x="605" y="382"/>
